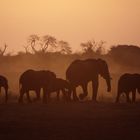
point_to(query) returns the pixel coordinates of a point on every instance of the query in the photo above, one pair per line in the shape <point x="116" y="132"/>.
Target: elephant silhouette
<point x="80" y="72"/>
<point x="128" y="83"/>
<point x="60" y="85"/>
<point x="35" y="80"/>
<point x="4" y="84"/>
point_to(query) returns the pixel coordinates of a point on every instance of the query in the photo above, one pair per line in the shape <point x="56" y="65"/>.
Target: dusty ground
<point x="70" y="121"/>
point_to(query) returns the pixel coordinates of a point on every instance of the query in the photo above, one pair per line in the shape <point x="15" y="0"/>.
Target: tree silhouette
<point x="92" y="47"/>
<point x="46" y="42"/>
<point x="2" y="51"/>
<point x="126" y="55"/>
<point x="64" y="47"/>
<point x="26" y="47"/>
<point x="100" y="47"/>
<point x="32" y="40"/>
<point x="89" y="46"/>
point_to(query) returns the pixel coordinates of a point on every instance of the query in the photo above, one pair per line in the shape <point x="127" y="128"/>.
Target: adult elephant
<point x="4" y="84"/>
<point x="128" y="83"/>
<point x="80" y="72"/>
<point x="35" y="80"/>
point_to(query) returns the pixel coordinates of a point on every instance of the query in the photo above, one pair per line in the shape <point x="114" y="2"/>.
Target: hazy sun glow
<point x="75" y="21"/>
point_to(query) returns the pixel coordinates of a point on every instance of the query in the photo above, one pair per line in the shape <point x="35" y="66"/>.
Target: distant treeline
<point x="126" y="56"/>
<point x="47" y="49"/>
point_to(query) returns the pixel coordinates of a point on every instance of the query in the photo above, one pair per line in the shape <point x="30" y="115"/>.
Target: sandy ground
<point x="70" y="121"/>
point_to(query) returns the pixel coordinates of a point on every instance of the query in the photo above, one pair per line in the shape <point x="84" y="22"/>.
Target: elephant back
<point x="32" y="78"/>
<point x="28" y="74"/>
<point x="128" y="82"/>
<point x="81" y="70"/>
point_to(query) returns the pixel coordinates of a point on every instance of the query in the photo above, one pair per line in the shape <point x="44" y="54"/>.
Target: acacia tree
<point x="32" y="41"/>
<point x="64" y="47"/>
<point x="100" y="47"/>
<point x="2" y="51"/>
<point x="40" y="44"/>
<point x="26" y="47"/>
<point x="89" y="46"/>
<point x="93" y="47"/>
<point x="46" y="42"/>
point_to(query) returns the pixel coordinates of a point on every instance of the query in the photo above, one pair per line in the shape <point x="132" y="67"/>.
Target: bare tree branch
<point x="26" y="48"/>
<point x="32" y="41"/>
<point x="89" y="46"/>
<point x="92" y="46"/>
<point x="64" y="47"/>
<point x="4" y="49"/>
<point x="47" y="41"/>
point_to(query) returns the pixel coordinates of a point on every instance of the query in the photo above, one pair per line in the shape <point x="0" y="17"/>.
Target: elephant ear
<point x="100" y="64"/>
<point x="102" y="67"/>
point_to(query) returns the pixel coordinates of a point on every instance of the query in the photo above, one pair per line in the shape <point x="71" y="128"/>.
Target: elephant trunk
<point x="108" y="82"/>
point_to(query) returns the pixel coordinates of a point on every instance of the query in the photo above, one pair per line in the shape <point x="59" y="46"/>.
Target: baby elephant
<point x="128" y="83"/>
<point x="4" y="84"/>
<point x="60" y="85"/>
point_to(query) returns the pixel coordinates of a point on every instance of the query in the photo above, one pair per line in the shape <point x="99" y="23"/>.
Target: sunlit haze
<point x="74" y="21"/>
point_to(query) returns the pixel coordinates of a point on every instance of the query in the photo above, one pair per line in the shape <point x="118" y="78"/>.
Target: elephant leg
<point x="65" y="94"/>
<point x="118" y="97"/>
<point x="20" y="100"/>
<point x="75" y="98"/>
<point x="45" y="95"/>
<point x="95" y="85"/>
<point x="6" y="94"/>
<point x="58" y="95"/>
<point x="85" y="91"/>
<point x="37" y="94"/>
<point x="48" y="96"/>
<point x="0" y="89"/>
<point x="133" y="96"/>
<point x="68" y="94"/>
<point x="127" y="97"/>
<point x="28" y="97"/>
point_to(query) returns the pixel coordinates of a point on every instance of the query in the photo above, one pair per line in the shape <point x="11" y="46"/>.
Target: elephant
<point x="4" y="84"/>
<point x="35" y="80"/>
<point x="128" y="83"/>
<point x="60" y="85"/>
<point x="80" y="72"/>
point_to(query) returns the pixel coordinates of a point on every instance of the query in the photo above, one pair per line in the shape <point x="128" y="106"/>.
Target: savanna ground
<point x="70" y="121"/>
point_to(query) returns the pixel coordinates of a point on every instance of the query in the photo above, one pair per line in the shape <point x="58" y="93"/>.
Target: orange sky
<point x="75" y="21"/>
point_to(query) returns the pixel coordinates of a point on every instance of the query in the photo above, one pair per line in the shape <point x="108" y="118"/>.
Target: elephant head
<point x="104" y="72"/>
<point x="48" y="77"/>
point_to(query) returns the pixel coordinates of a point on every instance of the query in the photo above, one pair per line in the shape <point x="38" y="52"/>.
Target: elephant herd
<point x="78" y="73"/>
